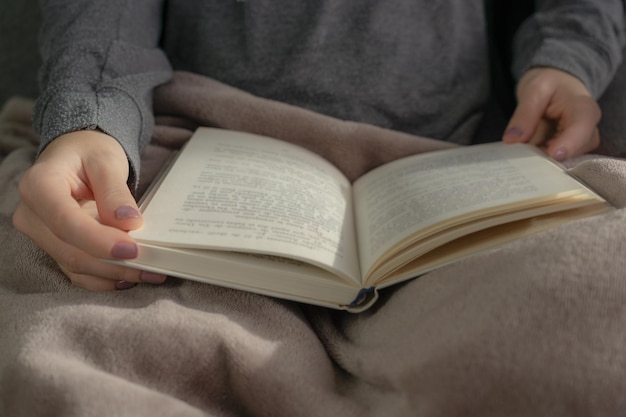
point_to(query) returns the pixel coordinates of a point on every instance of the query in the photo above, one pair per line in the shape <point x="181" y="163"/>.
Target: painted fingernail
<point x="126" y="212"/>
<point x="152" y="278"/>
<point x="124" y="250"/>
<point x="124" y="285"/>
<point x="514" y="132"/>
<point x="560" y="154"/>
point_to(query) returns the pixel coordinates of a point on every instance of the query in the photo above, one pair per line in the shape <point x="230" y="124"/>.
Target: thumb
<point x="108" y="181"/>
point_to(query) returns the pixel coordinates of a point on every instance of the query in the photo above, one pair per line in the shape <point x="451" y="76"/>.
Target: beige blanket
<point x="537" y="327"/>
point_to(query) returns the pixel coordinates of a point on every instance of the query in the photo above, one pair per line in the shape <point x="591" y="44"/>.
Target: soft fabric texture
<point x="535" y="327"/>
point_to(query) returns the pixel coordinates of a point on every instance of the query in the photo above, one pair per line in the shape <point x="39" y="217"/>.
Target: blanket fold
<point x="535" y="327"/>
<point x="353" y="147"/>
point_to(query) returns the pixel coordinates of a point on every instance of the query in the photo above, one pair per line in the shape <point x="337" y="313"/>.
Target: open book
<point x="263" y="215"/>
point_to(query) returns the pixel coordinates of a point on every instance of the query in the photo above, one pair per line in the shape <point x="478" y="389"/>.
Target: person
<point x="417" y="66"/>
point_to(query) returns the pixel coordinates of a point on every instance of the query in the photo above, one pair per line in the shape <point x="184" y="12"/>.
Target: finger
<point x="573" y="143"/>
<point x="116" y="205"/>
<point x="49" y="200"/>
<point x="97" y="283"/>
<point x="93" y="283"/>
<point x="546" y="129"/>
<point x="83" y="269"/>
<point x="107" y="176"/>
<point x="526" y="119"/>
<point x="578" y="132"/>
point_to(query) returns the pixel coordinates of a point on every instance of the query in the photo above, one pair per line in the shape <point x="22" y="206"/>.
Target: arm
<point x="564" y="57"/>
<point x="100" y="63"/>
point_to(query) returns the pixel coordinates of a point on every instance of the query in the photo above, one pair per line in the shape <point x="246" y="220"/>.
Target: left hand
<point x="556" y="112"/>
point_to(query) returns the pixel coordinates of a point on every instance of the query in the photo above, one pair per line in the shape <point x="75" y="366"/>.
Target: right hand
<point x="556" y="112"/>
<point x="75" y="205"/>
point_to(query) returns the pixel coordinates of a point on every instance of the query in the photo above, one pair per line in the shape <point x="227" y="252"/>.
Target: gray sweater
<point x="417" y="66"/>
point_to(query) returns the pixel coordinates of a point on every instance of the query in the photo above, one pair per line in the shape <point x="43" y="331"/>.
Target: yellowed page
<point x="486" y="239"/>
<point x="421" y="192"/>
<point x="240" y="192"/>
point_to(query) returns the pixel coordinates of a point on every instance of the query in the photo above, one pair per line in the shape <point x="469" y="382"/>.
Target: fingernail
<point x="514" y="132"/>
<point x="560" y="154"/>
<point x="124" y="250"/>
<point x="124" y="285"/>
<point x="152" y="278"/>
<point x="126" y="212"/>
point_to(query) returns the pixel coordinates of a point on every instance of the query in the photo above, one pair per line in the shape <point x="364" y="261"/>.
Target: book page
<point x="414" y="193"/>
<point x="247" y="193"/>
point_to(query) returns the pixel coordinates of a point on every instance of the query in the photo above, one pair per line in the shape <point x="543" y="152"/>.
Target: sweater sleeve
<point x="581" y="37"/>
<point x="101" y="61"/>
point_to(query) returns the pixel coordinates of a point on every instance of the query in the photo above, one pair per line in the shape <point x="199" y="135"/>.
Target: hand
<point x="75" y="205"/>
<point x="556" y="112"/>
